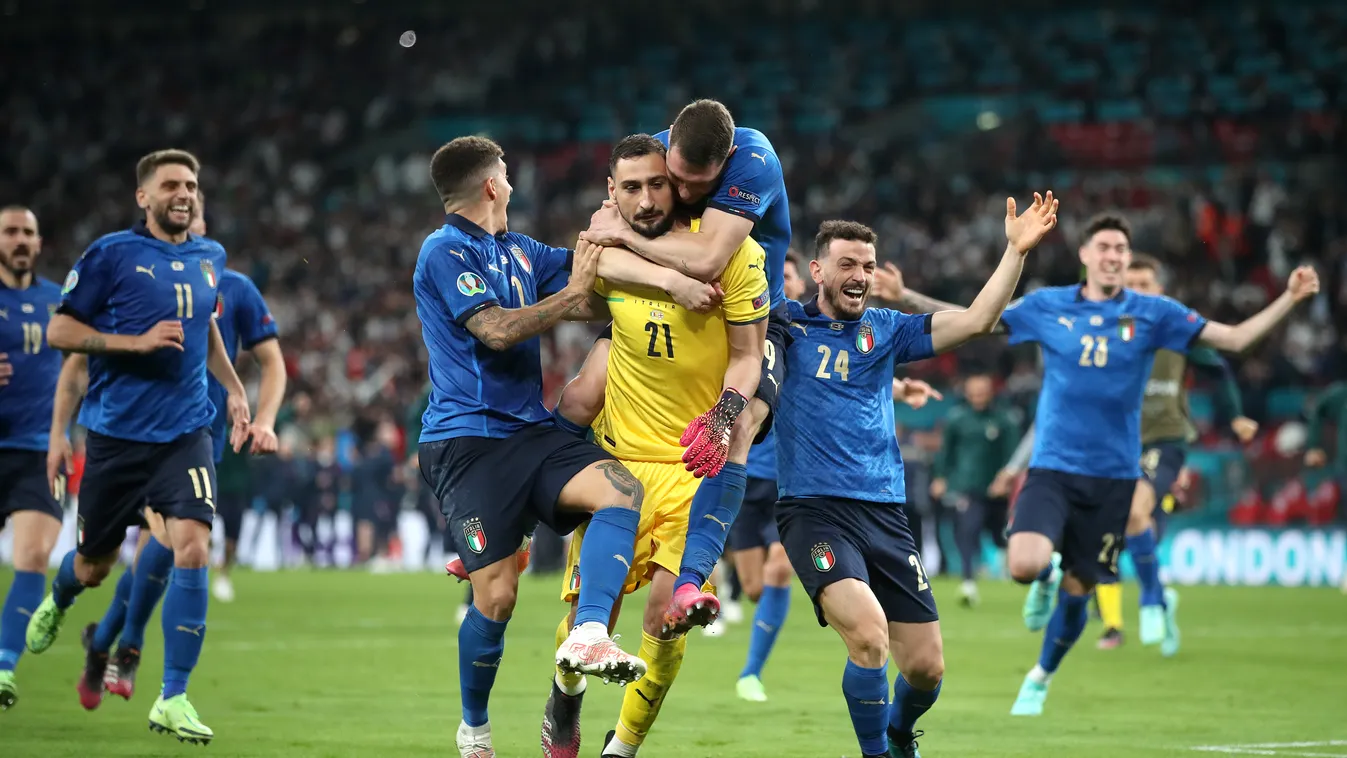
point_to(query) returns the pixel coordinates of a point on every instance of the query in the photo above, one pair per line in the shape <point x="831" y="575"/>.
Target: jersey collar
<point x="811" y="308"/>
<point x="464" y="225"/>
<point x="1118" y="298"/>
<point x="143" y="230"/>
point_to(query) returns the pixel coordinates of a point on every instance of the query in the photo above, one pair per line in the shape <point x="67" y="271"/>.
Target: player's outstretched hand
<point x="584" y="266"/>
<point x="264" y="440"/>
<point x="696" y="296"/>
<point x="888" y="284"/>
<point x="606" y="226"/>
<point x="915" y="392"/>
<point x="6" y="369"/>
<point x="1245" y="429"/>
<point x="1304" y="283"/>
<point x="1025" y="230"/>
<point x="707" y="438"/>
<point x="60" y="462"/>
<point x="239" y="416"/>
<point x="165" y="334"/>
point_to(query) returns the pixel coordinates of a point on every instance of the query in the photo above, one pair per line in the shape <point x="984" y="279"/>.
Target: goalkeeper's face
<point x="644" y="195"/>
<point x="844" y="275"/>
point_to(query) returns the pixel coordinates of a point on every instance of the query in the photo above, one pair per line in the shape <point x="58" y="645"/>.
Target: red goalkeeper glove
<point x="707" y="438"/>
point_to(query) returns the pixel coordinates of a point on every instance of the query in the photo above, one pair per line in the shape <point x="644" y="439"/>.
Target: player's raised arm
<point x="1303" y="284"/>
<point x="950" y="329"/>
<point x="625" y="268"/>
<point x="502" y="328"/>
<point x="701" y="255"/>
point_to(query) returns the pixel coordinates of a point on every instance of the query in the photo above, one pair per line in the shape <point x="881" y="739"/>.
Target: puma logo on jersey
<point x="1069" y="323"/>
<point x="460" y="255"/>
<point x="724" y="526"/>
<point x="804" y="329"/>
<point x="762" y="158"/>
<point x="143" y="270"/>
<point x="773" y="380"/>
<point x="4" y="313"/>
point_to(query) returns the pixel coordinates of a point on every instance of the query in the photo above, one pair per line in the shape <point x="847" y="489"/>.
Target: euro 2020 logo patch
<point x="71" y="280"/>
<point x="822" y="553"/>
<point x="470" y="284"/>
<point x="474" y="535"/>
<point x="865" y="338"/>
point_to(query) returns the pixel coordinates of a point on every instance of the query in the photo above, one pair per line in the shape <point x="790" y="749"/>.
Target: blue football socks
<point x="184" y="623"/>
<point x="1064" y="628"/>
<point x="605" y="559"/>
<point x="153" y="570"/>
<point x="25" y="595"/>
<point x="481" y="643"/>
<point x="65" y="586"/>
<point x="115" y="616"/>
<point x="714" y="508"/>
<point x="1142" y="548"/>
<point x="910" y="704"/>
<point x="867" y="694"/>
<point x="767" y="621"/>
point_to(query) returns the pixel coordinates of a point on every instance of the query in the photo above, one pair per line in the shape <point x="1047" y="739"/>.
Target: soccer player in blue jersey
<point x="840" y="480"/>
<point x="755" y="544"/>
<point x="490" y="451"/>
<point x="28" y="371"/>
<point x="139" y="303"/>
<point x="735" y="174"/>
<point x="244" y="321"/>
<point x="1098" y="341"/>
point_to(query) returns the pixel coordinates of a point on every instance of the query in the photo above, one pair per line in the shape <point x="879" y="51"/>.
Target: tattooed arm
<point x="595" y="308"/>
<point x="68" y="333"/>
<point x="502" y="328"/>
<point x="70" y="388"/>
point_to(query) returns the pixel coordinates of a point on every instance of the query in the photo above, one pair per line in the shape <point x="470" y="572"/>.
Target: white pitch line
<point x="1276" y="749"/>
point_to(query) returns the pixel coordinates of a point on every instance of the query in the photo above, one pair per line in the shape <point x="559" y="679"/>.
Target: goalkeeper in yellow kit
<point x="667" y="366"/>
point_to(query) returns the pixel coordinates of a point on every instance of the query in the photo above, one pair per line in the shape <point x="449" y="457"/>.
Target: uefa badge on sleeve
<point x="474" y="536"/>
<point x="470" y="284"/>
<point x="72" y="279"/>
<point x="822" y="553"/>
<point x="1126" y="328"/>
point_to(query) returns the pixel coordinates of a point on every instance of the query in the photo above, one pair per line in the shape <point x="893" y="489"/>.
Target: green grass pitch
<point x="354" y="664"/>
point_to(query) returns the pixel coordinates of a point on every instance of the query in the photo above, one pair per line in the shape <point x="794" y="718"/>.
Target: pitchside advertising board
<point x="1255" y="557"/>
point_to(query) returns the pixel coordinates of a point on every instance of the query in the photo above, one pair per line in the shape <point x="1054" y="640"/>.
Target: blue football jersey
<point x="125" y="283"/>
<point x="244" y="321"/>
<point x="762" y="457"/>
<point x="476" y="391"/>
<point x="753" y="186"/>
<point x="834" y="419"/>
<point x="1096" y="359"/>
<point x="25" y="403"/>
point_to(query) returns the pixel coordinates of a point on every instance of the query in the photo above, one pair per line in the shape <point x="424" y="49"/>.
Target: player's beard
<point x="843" y="306"/>
<point x="18" y="269"/>
<point x="652" y="227"/>
<point x="164" y="219"/>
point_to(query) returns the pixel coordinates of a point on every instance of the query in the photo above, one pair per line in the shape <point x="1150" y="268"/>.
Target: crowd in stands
<point x="1216" y="130"/>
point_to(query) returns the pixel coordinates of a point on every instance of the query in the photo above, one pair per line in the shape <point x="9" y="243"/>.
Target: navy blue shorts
<point x="755" y="526"/>
<point x="1084" y="516"/>
<point x="831" y="539"/>
<point x="175" y="479"/>
<point x="493" y="492"/>
<point x="25" y="488"/>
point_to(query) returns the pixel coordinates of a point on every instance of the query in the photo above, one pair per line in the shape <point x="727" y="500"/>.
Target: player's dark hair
<point x="1107" y="222"/>
<point x="460" y="163"/>
<point x="849" y="231"/>
<point x="797" y="259"/>
<point x="634" y="146"/>
<point x="1145" y="262"/>
<point x="146" y="166"/>
<point x="703" y="133"/>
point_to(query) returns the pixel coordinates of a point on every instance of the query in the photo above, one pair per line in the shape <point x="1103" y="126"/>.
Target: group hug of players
<point x="704" y="357"/>
<point x="151" y="323"/>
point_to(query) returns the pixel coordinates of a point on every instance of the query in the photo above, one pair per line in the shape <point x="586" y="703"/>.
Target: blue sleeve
<point x="252" y="318"/>
<point x="752" y="182"/>
<point x="1019" y="321"/>
<point x="456" y="275"/>
<point x="910" y="336"/>
<point x="1176" y="325"/>
<point x="87" y="286"/>
<point x="551" y="265"/>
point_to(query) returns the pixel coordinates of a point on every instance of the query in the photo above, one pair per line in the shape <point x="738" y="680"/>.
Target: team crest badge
<point x="518" y="253"/>
<point x="865" y="338"/>
<point x="1126" y="328"/>
<point x="574" y="584"/>
<point x="71" y="279"/>
<point x="470" y="284"/>
<point x="208" y="271"/>
<point x="474" y="536"/>
<point x="822" y="553"/>
<point x="219" y="306"/>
